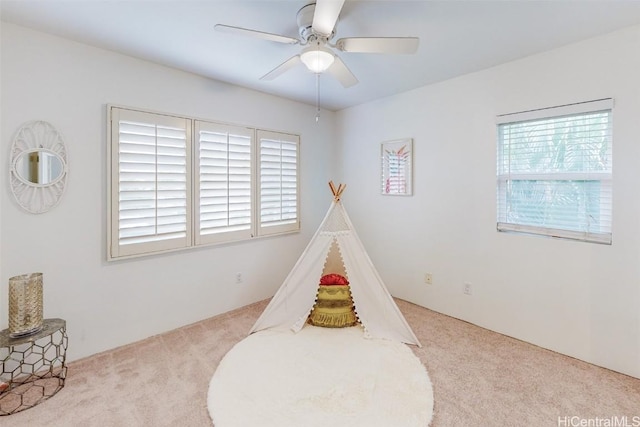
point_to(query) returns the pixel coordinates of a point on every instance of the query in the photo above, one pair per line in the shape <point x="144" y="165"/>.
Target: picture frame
<point x="396" y="167"/>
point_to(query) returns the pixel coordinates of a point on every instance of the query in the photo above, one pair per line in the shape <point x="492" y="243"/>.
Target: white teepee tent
<point x="336" y="248"/>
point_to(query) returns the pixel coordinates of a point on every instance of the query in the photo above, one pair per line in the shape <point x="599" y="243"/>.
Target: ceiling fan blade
<point x="282" y="68"/>
<point x="256" y="34"/>
<point x="326" y="16"/>
<point x="340" y="71"/>
<point x="379" y="44"/>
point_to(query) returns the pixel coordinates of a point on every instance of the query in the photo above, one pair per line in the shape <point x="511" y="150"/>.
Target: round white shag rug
<point x="320" y="377"/>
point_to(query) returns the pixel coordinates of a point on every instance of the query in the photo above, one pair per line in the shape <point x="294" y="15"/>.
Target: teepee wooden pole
<point x="333" y="188"/>
<point x="337" y="192"/>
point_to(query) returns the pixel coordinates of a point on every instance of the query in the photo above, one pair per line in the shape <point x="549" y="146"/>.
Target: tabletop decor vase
<point x="25" y="304"/>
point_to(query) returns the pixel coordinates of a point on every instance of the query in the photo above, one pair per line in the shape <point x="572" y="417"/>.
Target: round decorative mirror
<point x="38" y="167"/>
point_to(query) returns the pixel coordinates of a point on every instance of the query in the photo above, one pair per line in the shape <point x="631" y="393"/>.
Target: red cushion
<point x="333" y="279"/>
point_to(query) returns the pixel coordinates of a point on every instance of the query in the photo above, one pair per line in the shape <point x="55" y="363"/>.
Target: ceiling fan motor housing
<point x="305" y="24"/>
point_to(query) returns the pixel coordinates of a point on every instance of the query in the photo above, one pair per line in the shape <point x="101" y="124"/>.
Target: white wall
<point x="110" y="304"/>
<point x="579" y="299"/>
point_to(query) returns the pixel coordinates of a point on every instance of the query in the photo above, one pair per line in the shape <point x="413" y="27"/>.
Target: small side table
<point x="32" y="368"/>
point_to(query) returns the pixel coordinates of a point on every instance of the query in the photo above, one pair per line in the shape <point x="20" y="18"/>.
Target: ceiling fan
<point x="317" y="24"/>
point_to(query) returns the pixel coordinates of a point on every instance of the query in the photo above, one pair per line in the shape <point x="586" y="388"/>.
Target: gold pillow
<point x="333" y="308"/>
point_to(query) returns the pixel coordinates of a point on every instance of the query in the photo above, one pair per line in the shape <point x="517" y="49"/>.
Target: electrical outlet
<point x="428" y="278"/>
<point x="239" y="278"/>
<point x="468" y="289"/>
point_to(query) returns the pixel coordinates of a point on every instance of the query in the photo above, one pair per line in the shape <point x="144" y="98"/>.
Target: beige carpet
<point x="479" y="378"/>
<point x="320" y="377"/>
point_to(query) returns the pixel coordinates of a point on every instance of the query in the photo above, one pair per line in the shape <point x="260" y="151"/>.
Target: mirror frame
<point x="37" y="136"/>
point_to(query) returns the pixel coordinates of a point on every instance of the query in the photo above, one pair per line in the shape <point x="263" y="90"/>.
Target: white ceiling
<point x="456" y="37"/>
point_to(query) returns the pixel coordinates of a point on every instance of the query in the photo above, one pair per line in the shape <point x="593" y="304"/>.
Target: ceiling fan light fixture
<point x="317" y="59"/>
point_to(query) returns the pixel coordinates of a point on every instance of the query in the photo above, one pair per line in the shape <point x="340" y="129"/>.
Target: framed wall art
<point x="397" y="167"/>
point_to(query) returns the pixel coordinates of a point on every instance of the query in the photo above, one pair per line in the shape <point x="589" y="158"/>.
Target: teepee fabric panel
<point x="375" y="307"/>
<point x="291" y="305"/>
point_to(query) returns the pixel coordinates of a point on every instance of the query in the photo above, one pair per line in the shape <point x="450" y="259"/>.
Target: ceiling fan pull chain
<point x="317" y="97"/>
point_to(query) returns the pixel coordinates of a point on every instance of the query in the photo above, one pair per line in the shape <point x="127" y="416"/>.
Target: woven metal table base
<point x="32" y="367"/>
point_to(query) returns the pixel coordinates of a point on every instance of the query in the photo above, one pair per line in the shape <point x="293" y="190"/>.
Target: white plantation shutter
<point x="150" y="209"/>
<point x="176" y="183"/>
<point x="555" y="172"/>
<point x="278" y="182"/>
<point x="223" y="186"/>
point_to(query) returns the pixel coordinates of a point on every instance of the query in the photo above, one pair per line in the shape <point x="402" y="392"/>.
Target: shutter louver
<point x="555" y="176"/>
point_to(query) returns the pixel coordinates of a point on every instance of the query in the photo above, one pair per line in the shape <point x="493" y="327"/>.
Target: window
<point x="223" y="188"/>
<point x="278" y="182"/>
<point x="178" y="182"/>
<point x="150" y="177"/>
<point x="554" y="172"/>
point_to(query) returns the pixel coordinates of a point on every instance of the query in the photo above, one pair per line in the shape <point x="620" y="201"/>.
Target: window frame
<point x="504" y="178"/>
<point x="194" y="238"/>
